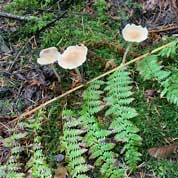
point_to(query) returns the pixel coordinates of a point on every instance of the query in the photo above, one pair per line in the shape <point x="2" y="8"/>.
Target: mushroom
<point x="73" y="57"/>
<point x="133" y="33"/>
<point x="49" y="56"/>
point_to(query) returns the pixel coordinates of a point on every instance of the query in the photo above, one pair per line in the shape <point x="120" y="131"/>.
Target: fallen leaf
<point x="111" y="63"/>
<point x="163" y="152"/>
<point x="61" y="172"/>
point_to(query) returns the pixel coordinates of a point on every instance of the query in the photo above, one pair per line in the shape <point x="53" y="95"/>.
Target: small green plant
<point x="162" y="168"/>
<point x="170" y="51"/>
<point x="150" y="68"/>
<point x="22" y="6"/>
<point x="170" y="89"/>
<point x="71" y="143"/>
<point x="13" y="168"/>
<point x="101" y="7"/>
<point x="118" y="99"/>
<point x="96" y="138"/>
<point x="37" y="165"/>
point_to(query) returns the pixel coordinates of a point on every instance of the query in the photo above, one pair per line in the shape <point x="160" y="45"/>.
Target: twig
<point x="4" y="126"/>
<point x="13" y="16"/>
<point x="163" y="30"/>
<point x="27" y="113"/>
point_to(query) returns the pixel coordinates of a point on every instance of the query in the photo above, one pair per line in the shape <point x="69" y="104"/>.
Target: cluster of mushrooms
<point x="74" y="56"/>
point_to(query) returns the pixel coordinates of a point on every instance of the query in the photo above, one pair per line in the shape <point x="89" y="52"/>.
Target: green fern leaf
<point x="170" y="51"/>
<point x="70" y="143"/>
<point x="118" y="99"/>
<point x="149" y="68"/>
<point x="95" y="138"/>
<point x="171" y="88"/>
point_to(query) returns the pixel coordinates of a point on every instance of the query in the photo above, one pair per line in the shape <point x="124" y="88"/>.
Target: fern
<point x="171" y="88"/>
<point x="149" y="68"/>
<point x="70" y="143"/>
<point x="99" y="148"/>
<point x="170" y="51"/>
<point x="37" y="164"/>
<point x="119" y="97"/>
<point x="13" y="168"/>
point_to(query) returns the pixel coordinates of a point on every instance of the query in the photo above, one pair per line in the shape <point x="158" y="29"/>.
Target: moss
<point x="76" y="29"/>
<point x="162" y="168"/>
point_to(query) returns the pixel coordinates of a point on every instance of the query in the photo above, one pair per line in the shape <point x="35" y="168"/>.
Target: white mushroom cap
<point x="134" y="33"/>
<point x="73" y="57"/>
<point x="49" y="56"/>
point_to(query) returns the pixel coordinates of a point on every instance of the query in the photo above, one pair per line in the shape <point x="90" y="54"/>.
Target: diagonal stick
<point x="27" y="113"/>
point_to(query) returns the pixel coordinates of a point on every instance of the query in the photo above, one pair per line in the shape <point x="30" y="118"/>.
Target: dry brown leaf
<point x="61" y="172"/>
<point x="162" y="152"/>
<point x="111" y="63"/>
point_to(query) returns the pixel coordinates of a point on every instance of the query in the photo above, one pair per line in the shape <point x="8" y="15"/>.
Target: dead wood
<point x="13" y="16"/>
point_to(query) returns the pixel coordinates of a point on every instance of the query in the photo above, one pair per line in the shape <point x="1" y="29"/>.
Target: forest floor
<point x="25" y="85"/>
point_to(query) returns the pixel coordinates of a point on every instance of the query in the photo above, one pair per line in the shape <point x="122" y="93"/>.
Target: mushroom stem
<point x="125" y="53"/>
<point x="55" y="72"/>
<point x="79" y="74"/>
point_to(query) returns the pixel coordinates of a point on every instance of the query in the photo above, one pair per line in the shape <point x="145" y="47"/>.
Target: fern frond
<point x="118" y="100"/>
<point x="92" y="97"/>
<point x="171" y="88"/>
<point x="149" y="68"/>
<point x="13" y="168"/>
<point x="70" y="143"/>
<point x="170" y="51"/>
<point x="37" y="164"/>
<point x="95" y="137"/>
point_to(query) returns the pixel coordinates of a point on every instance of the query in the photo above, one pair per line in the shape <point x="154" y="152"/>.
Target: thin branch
<point x="13" y="16"/>
<point x="165" y="29"/>
<point x="27" y="113"/>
